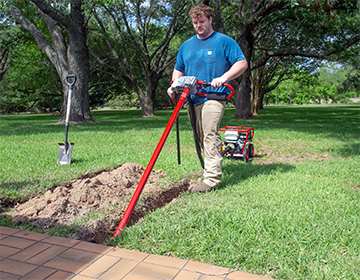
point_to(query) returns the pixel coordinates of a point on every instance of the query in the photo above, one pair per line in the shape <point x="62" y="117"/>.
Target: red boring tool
<point x="188" y="85"/>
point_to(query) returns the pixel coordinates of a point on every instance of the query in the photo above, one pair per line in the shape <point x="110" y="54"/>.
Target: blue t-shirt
<point x="207" y="59"/>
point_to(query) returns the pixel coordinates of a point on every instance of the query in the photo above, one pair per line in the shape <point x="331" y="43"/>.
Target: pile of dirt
<point x="106" y="194"/>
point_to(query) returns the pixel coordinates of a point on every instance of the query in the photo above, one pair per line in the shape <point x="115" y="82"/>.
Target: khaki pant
<point x="208" y="118"/>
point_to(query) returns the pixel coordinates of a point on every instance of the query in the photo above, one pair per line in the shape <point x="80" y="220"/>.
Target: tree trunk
<point x="78" y="64"/>
<point x="4" y="62"/>
<point x="261" y="105"/>
<point x="257" y="100"/>
<point x="259" y="80"/>
<point x="243" y="83"/>
<point x="68" y="57"/>
<point x="243" y="96"/>
<point x="219" y="27"/>
<point x="147" y="108"/>
<point x="151" y="85"/>
<point x="146" y="102"/>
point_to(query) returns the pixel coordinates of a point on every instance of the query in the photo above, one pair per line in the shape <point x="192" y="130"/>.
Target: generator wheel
<point x="246" y="154"/>
<point x="251" y="151"/>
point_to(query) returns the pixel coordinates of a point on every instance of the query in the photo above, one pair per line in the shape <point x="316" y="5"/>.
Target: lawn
<point x="290" y="213"/>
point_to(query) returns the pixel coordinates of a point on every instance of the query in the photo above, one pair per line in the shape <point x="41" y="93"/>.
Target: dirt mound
<point x="104" y="196"/>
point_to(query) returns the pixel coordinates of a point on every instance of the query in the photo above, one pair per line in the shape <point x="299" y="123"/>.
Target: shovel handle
<point x="70" y="83"/>
<point x="69" y="78"/>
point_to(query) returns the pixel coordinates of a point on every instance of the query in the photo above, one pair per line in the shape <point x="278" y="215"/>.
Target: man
<point x="215" y="57"/>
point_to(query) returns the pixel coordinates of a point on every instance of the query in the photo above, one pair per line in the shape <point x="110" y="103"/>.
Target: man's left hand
<point x="218" y="82"/>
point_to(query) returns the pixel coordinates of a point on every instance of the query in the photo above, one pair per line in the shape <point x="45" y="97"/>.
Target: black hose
<point x="193" y="125"/>
<point x="177" y="97"/>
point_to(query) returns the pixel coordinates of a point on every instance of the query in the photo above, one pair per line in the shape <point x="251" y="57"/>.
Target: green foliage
<point x="349" y="62"/>
<point x="326" y="85"/>
<point x="293" y="27"/>
<point x="124" y="101"/>
<point x="31" y="83"/>
<point x="336" y="77"/>
<point x="352" y="82"/>
<point x="293" y="39"/>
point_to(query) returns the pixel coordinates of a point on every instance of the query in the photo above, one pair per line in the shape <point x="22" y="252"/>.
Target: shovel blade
<point x="64" y="156"/>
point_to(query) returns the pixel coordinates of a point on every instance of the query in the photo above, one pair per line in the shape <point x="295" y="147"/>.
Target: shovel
<point x="65" y="149"/>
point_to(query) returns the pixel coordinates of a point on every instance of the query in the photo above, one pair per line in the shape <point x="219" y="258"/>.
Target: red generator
<point x="238" y="143"/>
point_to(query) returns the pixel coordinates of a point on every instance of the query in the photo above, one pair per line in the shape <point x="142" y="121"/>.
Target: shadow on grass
<point x="235" y="172"/>
<point x="340" y="122"/>
<point x="11" y="192"/>
<point x="349" y="150"/>
<point x="336" y="121"/>
<point x="77" y="160"/>
<point x="116" y="122"/>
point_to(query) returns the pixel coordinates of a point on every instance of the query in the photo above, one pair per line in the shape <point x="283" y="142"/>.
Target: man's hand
<point x="218" y="82"/>
<point x="176" y="74"/>
<point x="170" y="93"/>
<point x="235" y="71"/>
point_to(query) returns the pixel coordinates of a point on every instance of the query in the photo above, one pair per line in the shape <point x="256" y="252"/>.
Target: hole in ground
<point x="95" y="204"/>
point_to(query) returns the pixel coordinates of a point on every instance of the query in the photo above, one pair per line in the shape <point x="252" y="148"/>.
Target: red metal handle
<point x="231" y="89"/>
<point x="207" y="84"/>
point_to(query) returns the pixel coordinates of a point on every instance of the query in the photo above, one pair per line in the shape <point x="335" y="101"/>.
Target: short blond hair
<point x="200" y="10"/>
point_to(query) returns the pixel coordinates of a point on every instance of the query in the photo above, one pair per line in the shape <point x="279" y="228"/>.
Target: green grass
<point x="291" y="213"/>
<point x="29" y="148"/>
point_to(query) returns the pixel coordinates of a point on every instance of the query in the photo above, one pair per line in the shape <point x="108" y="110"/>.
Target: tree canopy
<point x="129" y="47"/>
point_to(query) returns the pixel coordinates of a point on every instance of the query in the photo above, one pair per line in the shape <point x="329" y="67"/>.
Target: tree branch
<point x="35" y="32"/>
<point x="54" y="13"/>
<point x="294" y="52"/>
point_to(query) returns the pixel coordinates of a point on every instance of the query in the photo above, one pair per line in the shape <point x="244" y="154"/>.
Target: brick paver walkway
<point x="29" y="255"/>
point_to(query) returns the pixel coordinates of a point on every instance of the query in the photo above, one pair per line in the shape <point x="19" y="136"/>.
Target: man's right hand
<point x="176" y="74"/>
<point x="170" y="93"/>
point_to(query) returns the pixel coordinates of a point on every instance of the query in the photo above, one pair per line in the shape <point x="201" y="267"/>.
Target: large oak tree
<point x="138" y="36"/>
<point x="66" y="48"/>
<point x="277" y="29"/>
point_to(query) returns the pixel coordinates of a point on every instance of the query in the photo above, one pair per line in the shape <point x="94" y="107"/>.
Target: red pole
<point x="151" y="164"/>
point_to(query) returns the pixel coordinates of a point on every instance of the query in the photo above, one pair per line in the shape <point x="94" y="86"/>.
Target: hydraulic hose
<point x="192" y="116"/>
<point x="178" y="132"/>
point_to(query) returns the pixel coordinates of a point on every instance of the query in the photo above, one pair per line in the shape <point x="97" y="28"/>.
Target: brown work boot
<point x="202" y="187"/>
